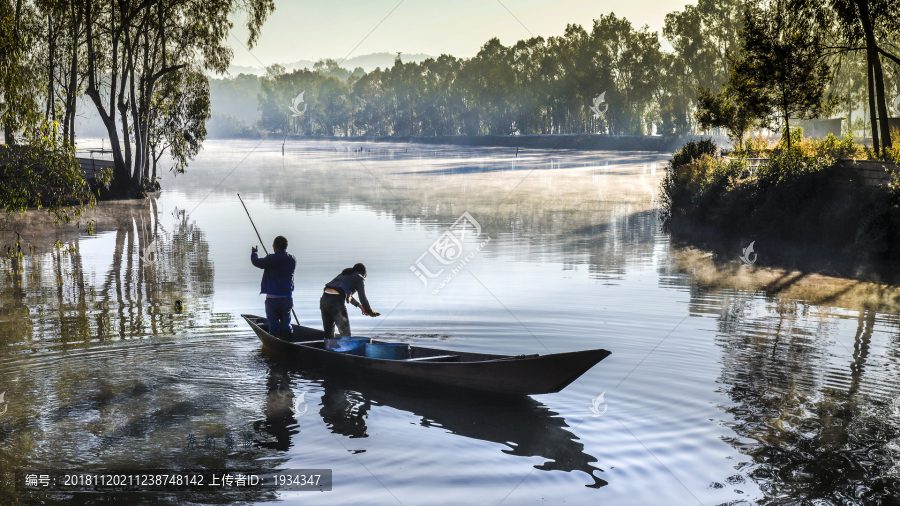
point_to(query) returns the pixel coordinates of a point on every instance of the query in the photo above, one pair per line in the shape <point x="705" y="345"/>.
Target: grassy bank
<point x="801" y="199"/>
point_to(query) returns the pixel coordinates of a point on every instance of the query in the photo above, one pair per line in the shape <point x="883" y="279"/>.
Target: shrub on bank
<point x="838" y="148"/>
<point x="799" y="196"/>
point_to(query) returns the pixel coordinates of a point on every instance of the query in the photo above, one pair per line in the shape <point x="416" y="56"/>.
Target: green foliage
<point x="38" y="168"/>
<point x="789" y="141"/>
<point x="148" y="110"/>
<point x="44" y="174"/>
<point x="328" y="94"/>
<point x="894" y="152"/>
<point x="236" y="97"/>
<point x="838" y="149"/>
<point x="693" y="150"/>
<point x="786" y="166"/>
<point x="726" y="110"/>
<point x="178" y="115"/>
<point x="843" y="148"/>
<point x="20" y="107"/>
<point x="797" y="197"/>
<point x="534" y="86"/>
<point x="780" y="72"/>
<point x="687" y="173"/>
<point x="702" y="36"/>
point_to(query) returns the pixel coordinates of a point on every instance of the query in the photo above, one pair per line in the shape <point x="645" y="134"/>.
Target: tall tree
<point x="734" y="110"/>
<point x="781" y="64"/>
<point x="871" y="26"/>
<point x="702" y="37"/>
<point x="133" y="44"/>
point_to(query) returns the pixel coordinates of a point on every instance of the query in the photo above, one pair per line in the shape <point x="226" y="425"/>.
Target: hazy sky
<point x="331" y="29"/>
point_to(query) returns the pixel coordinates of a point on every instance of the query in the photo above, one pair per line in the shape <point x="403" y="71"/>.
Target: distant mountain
<point x="381" y="60"/>
<point x="367" y="61"/>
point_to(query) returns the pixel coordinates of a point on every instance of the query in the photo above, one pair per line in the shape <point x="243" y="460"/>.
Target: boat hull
<point x="495" y="374"/>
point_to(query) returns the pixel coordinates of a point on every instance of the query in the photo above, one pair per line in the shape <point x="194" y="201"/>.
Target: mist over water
<point x="726" y="384"/>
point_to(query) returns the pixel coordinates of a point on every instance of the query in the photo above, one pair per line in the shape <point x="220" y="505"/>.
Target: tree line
<point x="144" y="66"/>
<point x="535" y="86"/>
<point x="817" y="54"/>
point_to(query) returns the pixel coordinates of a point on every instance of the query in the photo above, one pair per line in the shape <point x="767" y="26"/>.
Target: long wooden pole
<point x="262" y="243"/>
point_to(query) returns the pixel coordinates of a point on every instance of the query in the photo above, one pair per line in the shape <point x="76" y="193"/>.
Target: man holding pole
<point x="278" y="285"/>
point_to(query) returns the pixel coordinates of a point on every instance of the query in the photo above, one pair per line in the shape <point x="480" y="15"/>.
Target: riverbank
<point x="811" y="213"/>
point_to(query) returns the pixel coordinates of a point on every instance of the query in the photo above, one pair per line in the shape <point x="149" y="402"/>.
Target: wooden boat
<point x="431" y="367"/>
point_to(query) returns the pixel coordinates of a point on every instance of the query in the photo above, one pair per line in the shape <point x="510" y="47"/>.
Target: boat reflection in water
<point x="523" y="424"/>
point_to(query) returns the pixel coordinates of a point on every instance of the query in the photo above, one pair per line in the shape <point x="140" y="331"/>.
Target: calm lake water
<point x="727" y="384"/>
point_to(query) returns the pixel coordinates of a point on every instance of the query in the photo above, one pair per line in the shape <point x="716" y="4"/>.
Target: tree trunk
<point x="787" y="121"/>
<point x="878" y="74"/>
<point x="9" y="129"/>
<point x="108" y="119"/>
<point x="127" y="76"/>
<point x="873" y="121"/>
<point x="71" y="99"/>
<point x="787" y="131"/>
<point x="138" y="146"/>
<point x="881" y="103"/>
<point x="155" y="159"/>
<point x="850" y="112"/>
<point x="50" y="64"/>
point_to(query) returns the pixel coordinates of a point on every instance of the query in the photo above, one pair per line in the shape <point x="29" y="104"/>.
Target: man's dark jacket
<point x="278" y="276"/>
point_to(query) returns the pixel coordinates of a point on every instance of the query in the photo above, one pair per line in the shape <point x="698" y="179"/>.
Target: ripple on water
<point x="726" y="385"/>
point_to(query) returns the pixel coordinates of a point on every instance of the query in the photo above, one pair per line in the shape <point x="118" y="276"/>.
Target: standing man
<point x="278" y="285"/>
<point x="338" y="292"/>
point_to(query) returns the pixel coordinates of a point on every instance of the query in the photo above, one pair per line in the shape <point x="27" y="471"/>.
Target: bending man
<point x="338" y="292"/>
<point x="277" y="284"/>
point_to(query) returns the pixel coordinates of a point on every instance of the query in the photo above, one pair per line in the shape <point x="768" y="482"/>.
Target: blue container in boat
<point x="388" y="351"/>
<point x="353" y="345"/>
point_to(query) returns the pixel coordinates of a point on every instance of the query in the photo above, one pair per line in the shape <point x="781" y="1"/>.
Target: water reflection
<point x="344" y="411"/>
<point x="279" y="425"/>
<point x="803" y="367"/>
<point x="141" y="275"/>
<point x="527" y="427"/>
<point x="107" y="402"/>
<point x="811" y="408"/>
<point x="592" y="208"/>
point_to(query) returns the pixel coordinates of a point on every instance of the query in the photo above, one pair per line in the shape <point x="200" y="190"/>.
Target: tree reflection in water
<point x="816" y="425"/>
<point x="53" y="298"/>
